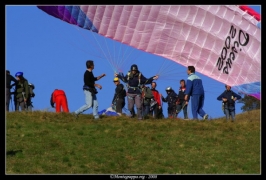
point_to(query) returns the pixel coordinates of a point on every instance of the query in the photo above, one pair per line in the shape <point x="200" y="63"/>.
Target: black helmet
<point x="169" y="88"/>
<point x="134" y="67"/>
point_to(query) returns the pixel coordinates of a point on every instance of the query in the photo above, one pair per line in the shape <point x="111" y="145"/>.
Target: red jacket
<point x="157" y="96"/>
<point x="59" y="98"/>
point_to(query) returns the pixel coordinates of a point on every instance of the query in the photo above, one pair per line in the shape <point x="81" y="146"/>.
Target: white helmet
<point x="169" y="88"/>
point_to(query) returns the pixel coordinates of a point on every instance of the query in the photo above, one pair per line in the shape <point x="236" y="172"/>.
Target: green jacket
<point x="22" y="87"/>
<point x="147" y="95"/>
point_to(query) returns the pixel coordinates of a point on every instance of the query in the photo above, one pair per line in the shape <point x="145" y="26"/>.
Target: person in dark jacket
<point x="22" y="94"/>
<point x="195" y="90"/>
<point x="9" y="79"/>
<point x="118" y="101"/>
<point x="58" y="97"/>
<point x="171" y="100"/>
<point x="135" y="79"/>
<point x="181" y="102"/>
<point x="89" y="89"/>
<point x="229" y="97"/>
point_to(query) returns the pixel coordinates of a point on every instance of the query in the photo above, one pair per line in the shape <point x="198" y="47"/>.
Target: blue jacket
<point x="229" y="95"/>
<point x="194" y="85"/>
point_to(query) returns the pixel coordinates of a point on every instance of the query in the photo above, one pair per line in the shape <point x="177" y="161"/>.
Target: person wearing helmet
<point x="229" y="97"/>
<point x="9" y="79"/>
<point x="171" y="100"/>
<point x="195" y="90"/>
<point x="90" y="91"/>
<point x="22" y="98"/>
<point x="135" y="79"/>
<point x="118" y="102"/>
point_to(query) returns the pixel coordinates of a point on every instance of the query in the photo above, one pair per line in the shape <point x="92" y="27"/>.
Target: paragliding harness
<point x="92" y="90"/>
<point x="139" y="85"/>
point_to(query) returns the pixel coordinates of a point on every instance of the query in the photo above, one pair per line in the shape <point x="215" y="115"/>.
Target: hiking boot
<point x="205" y="117"/>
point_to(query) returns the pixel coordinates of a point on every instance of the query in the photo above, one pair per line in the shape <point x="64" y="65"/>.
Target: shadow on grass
<point x="13" y="153"/>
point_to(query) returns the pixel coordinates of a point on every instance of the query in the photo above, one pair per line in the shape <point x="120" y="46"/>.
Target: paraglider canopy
<point x="223" y="42"/>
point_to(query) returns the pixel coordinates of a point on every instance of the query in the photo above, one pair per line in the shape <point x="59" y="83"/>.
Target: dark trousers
<point x="156" y="112"/>
<point x="120" y="104"/>
<point x="146" y="109"/>
<point x="8" y="98"/>
<point x="22" y="105"/>
<point x="179" y="108"/>
<point x="171" y="111"/>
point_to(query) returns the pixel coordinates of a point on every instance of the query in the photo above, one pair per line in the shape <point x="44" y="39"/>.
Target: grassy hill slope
<point x="51" y="143"/>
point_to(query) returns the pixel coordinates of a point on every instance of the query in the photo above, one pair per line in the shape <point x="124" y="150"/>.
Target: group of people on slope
<point x="147" y="100"/>
<point x="22" y="96"/>
<point x="137" y="92"/>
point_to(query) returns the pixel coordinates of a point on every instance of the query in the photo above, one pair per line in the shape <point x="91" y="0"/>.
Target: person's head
<point x="8" y="72"/>
<point x="227" y="87"/>
<point x="153" y="85"/>
<point x="134" y="68"/>
<point x="116" y="81"/>
<point x="190" y="69"/>
<point x="182" y="83"/>
<point x="90" y="64"/>
<point x="168" y="90"/>
<point x="19" y="75"/>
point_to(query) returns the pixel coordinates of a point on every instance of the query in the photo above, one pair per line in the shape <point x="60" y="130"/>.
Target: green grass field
<point x="56" y="143"/>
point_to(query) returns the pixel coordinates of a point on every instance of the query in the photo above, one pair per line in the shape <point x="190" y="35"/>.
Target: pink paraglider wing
<point x="222" y="42"/>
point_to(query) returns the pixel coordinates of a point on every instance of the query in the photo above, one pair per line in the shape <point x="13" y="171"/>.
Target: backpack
<point x="147" y="93"/>
<point x="31" y="87"/>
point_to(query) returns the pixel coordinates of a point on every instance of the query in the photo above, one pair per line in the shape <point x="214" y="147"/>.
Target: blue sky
<point x="52" y="55"/>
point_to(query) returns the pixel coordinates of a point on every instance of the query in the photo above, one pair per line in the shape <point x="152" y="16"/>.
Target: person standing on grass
<point x="229" y="97"/>
<point x="9" y="79"/>
<point x="195" y="90"/>
<point x="135" y="79"/>
<point x="147" y="97"/>
<point x="156" y="110"/>
<point x="181" y="103"/>
<point x="22" y="94"/>
<point x="118" y="101"/>
<point x="90" y="91"/>
<point x="171" y="99"/>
